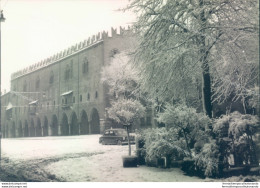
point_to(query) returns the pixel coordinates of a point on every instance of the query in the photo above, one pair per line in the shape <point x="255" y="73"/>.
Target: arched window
<point x="71" y="69"/>
<point x="67" y="72"/>
<point x="37" y="83"/>
<point x="96" y="95"/>
<point x="80" y="98"/>
<point x="85" y="66"/>
<point x="88" y="96"/>
<point x="51" y="80"/>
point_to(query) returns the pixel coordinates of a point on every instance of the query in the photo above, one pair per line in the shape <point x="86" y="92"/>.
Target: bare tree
<point x="178" y="40"/>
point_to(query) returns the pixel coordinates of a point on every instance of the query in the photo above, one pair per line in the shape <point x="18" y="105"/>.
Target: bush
<point x="140" y="149"/>
<point x="188" y="125"/>
<point x="235" y="134"/>
<point x="188" y="166"/>
<point x="154" y="144"/>
<point x="207" y="160"/>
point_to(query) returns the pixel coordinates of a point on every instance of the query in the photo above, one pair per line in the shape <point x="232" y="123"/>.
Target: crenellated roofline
<point x="101" y="36"/>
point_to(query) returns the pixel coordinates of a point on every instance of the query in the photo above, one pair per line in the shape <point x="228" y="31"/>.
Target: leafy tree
<point x="125" y="112"/>
<point x="178" y="41"/>
<point x="236" y="72"/>
<point x="190" y="125"/>
<point x="121" y="77"/>
<point x="122" y="81"/>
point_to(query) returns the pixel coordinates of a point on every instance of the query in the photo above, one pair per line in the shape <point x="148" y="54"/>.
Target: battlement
<point x="101" y="36"/>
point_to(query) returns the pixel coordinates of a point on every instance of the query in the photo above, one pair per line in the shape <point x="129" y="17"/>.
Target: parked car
<point x="116" y="136"/>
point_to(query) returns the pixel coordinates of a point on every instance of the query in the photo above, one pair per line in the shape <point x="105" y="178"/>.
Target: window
<point x="73" y="99"/>
<point x="25" y="86"/>
<point x="71" y="69"/>
<point x="88" y="96"/>
<point x="67" y="72"/>
<point x="85" y="66"/>
<point x="37" y="83"/>
<point x="51" y="78"/>
<point x="96" y="95"/>
<point x="114" y="52"/>
<point x="80" y="98"/>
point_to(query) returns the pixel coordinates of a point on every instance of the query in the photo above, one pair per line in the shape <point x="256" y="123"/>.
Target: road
<point x="76" y="159"/>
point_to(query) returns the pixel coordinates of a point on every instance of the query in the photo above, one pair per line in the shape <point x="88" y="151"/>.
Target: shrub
<point x="207" y="160"/>
<point x="235" y="133"/>
<point x="187" y="123"/>
<point x="159" y="143"/>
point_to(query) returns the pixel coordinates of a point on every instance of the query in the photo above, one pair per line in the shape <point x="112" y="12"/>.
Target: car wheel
<point x="103" y="142"/>
<point x="119" y="142"/>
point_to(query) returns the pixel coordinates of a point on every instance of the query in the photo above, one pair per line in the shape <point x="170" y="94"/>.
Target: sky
<point x="37" y="29"/>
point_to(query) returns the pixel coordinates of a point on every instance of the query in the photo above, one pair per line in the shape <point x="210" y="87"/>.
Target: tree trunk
<point x="187" y="143"/>
<point x="129" y="146"/>
<point x="206" y="89"/>
<point x="206" y="83"/>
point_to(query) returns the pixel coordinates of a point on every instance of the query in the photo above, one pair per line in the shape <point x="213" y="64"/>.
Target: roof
<point x="33" y="102"/>
<point x="66" y="93"/>
<point x="9" y="106"/>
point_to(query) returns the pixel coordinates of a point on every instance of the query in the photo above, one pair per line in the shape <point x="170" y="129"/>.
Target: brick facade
<point x="63" y="94"/>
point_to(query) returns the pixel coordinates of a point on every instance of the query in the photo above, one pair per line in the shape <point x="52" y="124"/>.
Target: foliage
<point x="161" y="142"/>
<point x="126" y="111"/>
<point x="121" y="77"/>
<point x="187" y="123"/>
<point x="122" y="82"/>
<point x="207" y="160"/>
<point x="236" y="132"/>
<point x="185" y="41"/>
<point x="236" y="73"/>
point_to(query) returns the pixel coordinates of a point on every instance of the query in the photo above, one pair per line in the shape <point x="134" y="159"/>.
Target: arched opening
<point x="26" y="129"/>
<point x="38" y="128"/>
<point x="95" y="122"/>
<point x="64" y="125"/>
<point x="32" y="129"/>
<point x="74" y="126"/>
<point x="45" y="126"/>
<point x="13" y="130"/>
<point x="20" y="129"/>
<point x="54" y="126"/>
<point x="84" y="125"/>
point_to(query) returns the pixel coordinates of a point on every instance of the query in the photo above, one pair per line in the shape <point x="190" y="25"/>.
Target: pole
<point x="2" y="19"/>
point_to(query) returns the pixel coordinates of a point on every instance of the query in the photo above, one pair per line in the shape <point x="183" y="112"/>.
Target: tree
<point x="178" y="40"/>
<point x="121" y="77"/>
<point x="125" y="112"/>
<point x="122" y="81"/>
<point x="236" y="73"/>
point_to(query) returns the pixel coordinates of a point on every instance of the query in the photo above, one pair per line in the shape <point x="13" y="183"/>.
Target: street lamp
<point x="2" y="19"/>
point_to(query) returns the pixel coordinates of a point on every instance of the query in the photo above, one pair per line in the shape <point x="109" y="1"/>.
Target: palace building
<point x="63" y="94"/>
